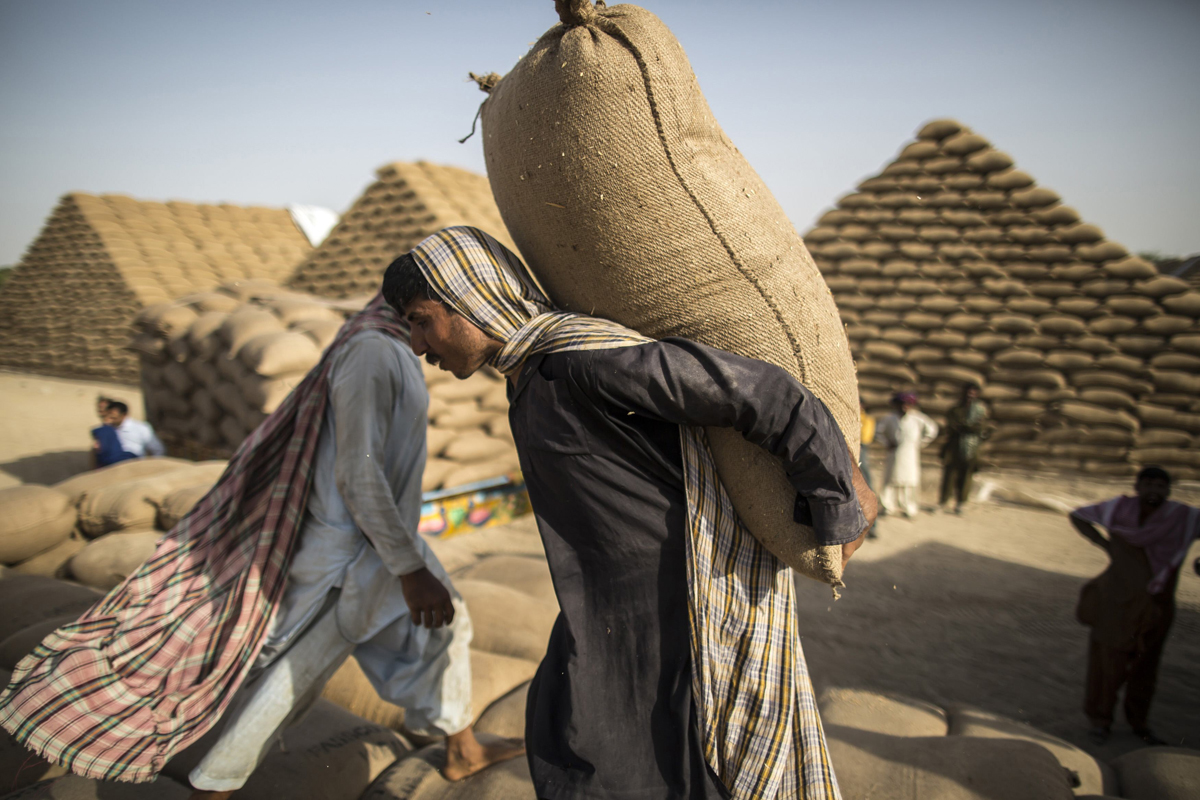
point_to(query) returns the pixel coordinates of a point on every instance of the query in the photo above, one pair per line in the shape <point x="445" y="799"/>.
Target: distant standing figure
<point x="864" y="449"/>
<point x="102" y="404"/>
<point x="966" y="426"/>
<point x="1130" y="606"/>
<point x="905" y="432"/>
<point x="121" y="437"/>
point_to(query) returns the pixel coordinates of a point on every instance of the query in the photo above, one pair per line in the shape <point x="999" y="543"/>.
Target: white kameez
<point x="904" y="436"/>
<point x="343" y="595"/>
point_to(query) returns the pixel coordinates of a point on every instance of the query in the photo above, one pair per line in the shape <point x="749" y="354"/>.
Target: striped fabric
<point x="151" y="667"/>
<point x="761" y="731"/>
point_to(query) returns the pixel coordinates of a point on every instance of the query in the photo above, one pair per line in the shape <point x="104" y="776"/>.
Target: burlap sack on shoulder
<point x="629" y="202"/>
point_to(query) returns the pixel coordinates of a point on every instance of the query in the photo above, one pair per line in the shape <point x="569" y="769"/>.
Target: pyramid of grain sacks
<point x="100" y="259"/>
<point x="952" y="266"/>
<point x="406" y="203"/>
<point x="215" y="364"/>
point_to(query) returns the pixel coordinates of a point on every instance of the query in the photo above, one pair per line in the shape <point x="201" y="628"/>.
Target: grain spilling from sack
<point x="1064" y="329"/>
<point x="670" y="189"/>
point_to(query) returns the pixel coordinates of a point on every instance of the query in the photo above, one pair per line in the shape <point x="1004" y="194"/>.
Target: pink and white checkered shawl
<point x="151" y="667"/>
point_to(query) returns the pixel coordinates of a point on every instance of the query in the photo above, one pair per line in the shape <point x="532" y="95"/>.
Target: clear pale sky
<point x="274" y="103"/>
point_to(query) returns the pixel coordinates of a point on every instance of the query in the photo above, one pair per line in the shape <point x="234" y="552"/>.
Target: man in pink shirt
<point x="1131" y="605"/>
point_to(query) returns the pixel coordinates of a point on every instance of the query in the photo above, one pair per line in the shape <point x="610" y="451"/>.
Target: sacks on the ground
<point x="418" y="778"/>
<point x="178" y="503"/>
<point x="33" y="519"/>
<point x="20" y="767"/>
<point x="1159" y="773"/>
<point x="1095" y="777"/>
<point x="506" y="715"/>
<point x="73" y="787"/>
<point x="506" y="621"/>
<point x="120" y="472"/>
<point x="529" y="576"/>
<point x="29" y="599"/>
<point x="630" y="203"/>
<point x="881" y="713"/>
<point x="21" y="643"/>
<point x="107" y="561"/>
<point x="134" y="504"/>
<point x="494" y="675"/>
<point x="883" y="767"/>
<point x="349" y="688"/>
<point x="53" y="562"/>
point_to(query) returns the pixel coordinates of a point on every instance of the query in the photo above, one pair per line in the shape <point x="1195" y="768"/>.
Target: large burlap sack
<point x="73" y="787"/>
<point x="881" y="767"/>
<point x="53" y="562"/>
<point x="506" y="716"/>
<point x="436" y="470"/>
<point x="272" y="354"/>
<point x="629" y="202"/>
<point x="472" y="446"/>
<point x="418" y="778"/>
<point x="33" y="519"/>
<point x="120" y="472"/>
<point x="1095" y="777"/>
<point x="494" y="675"/>
<point x="350" y="689"/>
<point x="135" y="504"/>
<point x="29" y="599"/>
<point x="881" y="713"/>
<point x="506" y="621"/>
<point x="466" y="474"/>
<point x="20" y="767"/>
<point x="178" y="503"/>
<point x="1159" y="773"/>
<point x="107" y="561"/>
<point x="517" y="538"/>
<point x="329" y="754"/>
<point x="529" y="576"/>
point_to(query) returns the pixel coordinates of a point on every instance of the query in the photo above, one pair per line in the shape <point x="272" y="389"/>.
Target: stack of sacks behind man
<point x="951" y="266"/>
<point x="214" y="365"/>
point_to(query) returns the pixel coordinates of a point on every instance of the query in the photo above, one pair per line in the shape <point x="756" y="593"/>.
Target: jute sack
<point x="506" y="621"/>
<point x="418" y="777"/>
<point x="479" y="471"/>
<point x="18" y="766"/>
<point x="107" y="561"/>
<point x="120" y="472"/>
<point x="472" y="446"/>
<point x="436" y="470"/>
<point x="494" y="675"/>
<point x="178" y="503"/>
<point x="629" y="202"/>
<point x="881" y="713"/>
<point x="883" y="767"/>
<point x="350" y="689"/>
<point x="1095" y="777"/>
<point x="29" y="599"/>
<point x="1159" y="773"/>
<point x="272" y="354"/>
<point x="33" y="519"/>
<point x="53" y="562"/>
<point x="529" y="576"/>
<point x="135" y="504"/>
<point x="73" y="787"/>
<point x="20" y="644"/>
<point x="505" y="716"/>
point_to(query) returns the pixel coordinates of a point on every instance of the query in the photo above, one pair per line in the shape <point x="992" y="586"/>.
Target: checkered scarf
<point x="152" y="666"/>
<point x="758" y="715"/>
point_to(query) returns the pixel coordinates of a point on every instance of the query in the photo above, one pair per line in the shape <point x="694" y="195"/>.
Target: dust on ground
<point x="979" y="609"/>
<point x="45" y="425"/>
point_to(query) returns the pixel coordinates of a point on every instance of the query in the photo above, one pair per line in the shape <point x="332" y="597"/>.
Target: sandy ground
<point x="45" y="424"/>
<point x="977" y="609"/>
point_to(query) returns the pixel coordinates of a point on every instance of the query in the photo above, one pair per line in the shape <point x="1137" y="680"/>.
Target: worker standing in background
<point x="966" y="428"/>
<point x="867" y="436"/>
<point x="904" y="432"/>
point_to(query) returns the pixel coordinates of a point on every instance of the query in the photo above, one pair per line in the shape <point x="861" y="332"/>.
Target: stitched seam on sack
<point x="613" y="30"/>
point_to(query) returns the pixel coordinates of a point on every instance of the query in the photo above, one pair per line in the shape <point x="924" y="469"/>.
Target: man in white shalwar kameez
<point x="362" y="582"/>
<point x="904" y="433"/>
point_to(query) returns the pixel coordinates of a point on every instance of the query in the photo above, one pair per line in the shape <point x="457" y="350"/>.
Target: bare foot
<point x="466" y="755"/>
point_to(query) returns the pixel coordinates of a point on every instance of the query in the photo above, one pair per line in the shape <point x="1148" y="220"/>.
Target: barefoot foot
<point x="466" y="754"/>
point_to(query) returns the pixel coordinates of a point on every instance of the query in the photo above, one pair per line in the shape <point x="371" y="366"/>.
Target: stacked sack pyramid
<point x="952" y="266"/>
<point x="100" y="259"/>
<point x="406" y="203"/>
<point x="215" y="364"/>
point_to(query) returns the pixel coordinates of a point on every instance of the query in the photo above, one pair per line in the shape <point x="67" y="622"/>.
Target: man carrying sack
<point x="1131" y="605"/>
<point x="675" y="667"/>
<point x="304" y="553"/>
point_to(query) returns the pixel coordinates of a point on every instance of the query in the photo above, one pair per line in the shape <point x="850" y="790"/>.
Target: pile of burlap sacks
<point x="354" y="745"/>
<point x="99" y="526"/>
<point x="214" y="365"/>
<point x="951" y="267"/>
<point x="98" y="260"/>
<point x="406" y="203"/>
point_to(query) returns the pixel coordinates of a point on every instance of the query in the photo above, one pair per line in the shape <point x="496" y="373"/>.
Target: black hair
<point x="117" y="405"/>
<point x="1153" y="474"/>
<point x="403" y="282"/>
